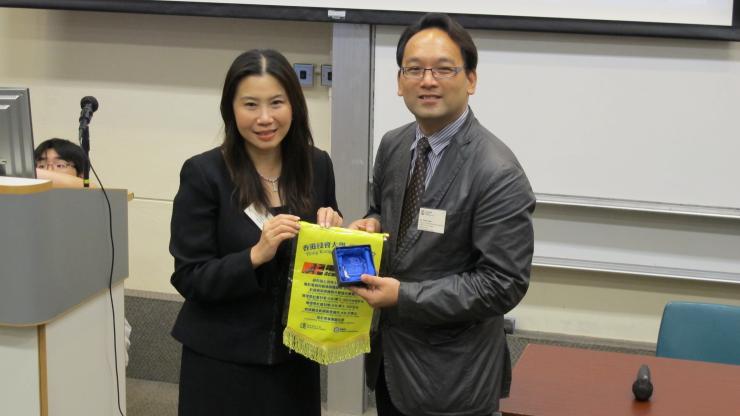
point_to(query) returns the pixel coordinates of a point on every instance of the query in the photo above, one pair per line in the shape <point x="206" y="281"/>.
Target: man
<point x="61" y="162"/>
<point x="458" y="207"/>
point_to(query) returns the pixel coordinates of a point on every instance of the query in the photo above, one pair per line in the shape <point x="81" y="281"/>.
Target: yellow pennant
<point x="327" y="324"/>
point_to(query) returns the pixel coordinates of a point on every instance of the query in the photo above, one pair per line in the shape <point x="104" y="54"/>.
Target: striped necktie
<point x="414" y="189"/>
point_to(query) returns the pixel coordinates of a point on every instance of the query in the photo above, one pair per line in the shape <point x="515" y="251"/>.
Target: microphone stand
<point x="85" y="144"/>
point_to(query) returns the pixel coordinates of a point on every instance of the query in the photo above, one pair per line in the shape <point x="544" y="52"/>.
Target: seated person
<point x="61" y="162"/>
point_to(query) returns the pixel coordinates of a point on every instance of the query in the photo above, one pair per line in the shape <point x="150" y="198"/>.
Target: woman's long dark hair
<point x="296" y="176"/>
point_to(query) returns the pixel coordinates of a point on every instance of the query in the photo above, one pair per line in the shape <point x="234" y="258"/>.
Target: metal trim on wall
<point x="377" y="17"/>
<point x="639" y="206"/>
<point x="351" y="100"/>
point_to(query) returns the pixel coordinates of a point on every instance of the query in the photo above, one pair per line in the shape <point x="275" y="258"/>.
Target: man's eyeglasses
<point x="58" y="165"/>
<point x="440" y="72"/>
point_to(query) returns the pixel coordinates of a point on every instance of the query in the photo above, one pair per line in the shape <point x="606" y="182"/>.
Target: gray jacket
<point x="443" y="344"/>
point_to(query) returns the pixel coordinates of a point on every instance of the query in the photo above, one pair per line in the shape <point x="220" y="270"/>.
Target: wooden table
<point x="559" y="381"/>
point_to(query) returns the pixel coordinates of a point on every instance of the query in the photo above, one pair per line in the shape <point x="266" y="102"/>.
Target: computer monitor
<point x="16" y="134"/>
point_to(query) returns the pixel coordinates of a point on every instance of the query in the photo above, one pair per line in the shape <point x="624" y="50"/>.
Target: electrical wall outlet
<point x="326" y="75"/>
<point x="305" y="74"/>
<point x="509" y="325"/>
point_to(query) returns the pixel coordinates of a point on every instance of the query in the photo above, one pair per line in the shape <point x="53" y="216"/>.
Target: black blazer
<point x="232" y="311"/>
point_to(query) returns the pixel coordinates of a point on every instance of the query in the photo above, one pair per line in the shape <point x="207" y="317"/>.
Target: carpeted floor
<point x="150" y="398"/>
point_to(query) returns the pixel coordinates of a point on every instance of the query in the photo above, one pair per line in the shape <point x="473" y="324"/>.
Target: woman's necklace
<point x="271" y="181"/>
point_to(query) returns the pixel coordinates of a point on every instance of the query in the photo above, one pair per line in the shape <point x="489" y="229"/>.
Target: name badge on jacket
<point x="432" y="220"/>
<point x="257" y="217"/>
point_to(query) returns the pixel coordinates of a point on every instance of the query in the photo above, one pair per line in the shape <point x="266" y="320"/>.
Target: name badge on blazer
<point x="257" y="217"/>
<point x="432" y="220"/>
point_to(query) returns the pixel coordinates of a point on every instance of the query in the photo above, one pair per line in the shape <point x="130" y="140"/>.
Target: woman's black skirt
<point x="212" y="387"/>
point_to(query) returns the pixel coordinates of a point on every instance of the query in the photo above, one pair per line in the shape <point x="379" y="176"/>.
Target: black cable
<point x="110" y="282"/>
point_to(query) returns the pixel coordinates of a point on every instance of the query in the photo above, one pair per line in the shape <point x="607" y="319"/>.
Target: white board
<point x="705" y="12"/>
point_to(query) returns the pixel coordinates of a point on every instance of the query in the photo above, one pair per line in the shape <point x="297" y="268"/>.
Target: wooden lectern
<point x="56" y="322"/>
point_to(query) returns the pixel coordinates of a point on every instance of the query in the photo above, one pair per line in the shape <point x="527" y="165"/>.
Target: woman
<point x="236" y="210"/>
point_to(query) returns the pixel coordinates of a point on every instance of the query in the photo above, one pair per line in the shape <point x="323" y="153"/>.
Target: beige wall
<point x="158" y="80"/>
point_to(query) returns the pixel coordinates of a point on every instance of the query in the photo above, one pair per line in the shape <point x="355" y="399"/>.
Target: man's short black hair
<point x="66" y="150"/>
<point x="453" y="29"/>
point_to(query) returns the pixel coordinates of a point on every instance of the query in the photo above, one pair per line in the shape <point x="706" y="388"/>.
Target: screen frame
<point x="16" y="133"/>
<point x="386" y="17"/>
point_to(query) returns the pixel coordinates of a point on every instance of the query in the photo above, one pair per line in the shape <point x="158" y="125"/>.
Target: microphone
<point x="89" y="105"/>
<point x="642" y="387"/>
